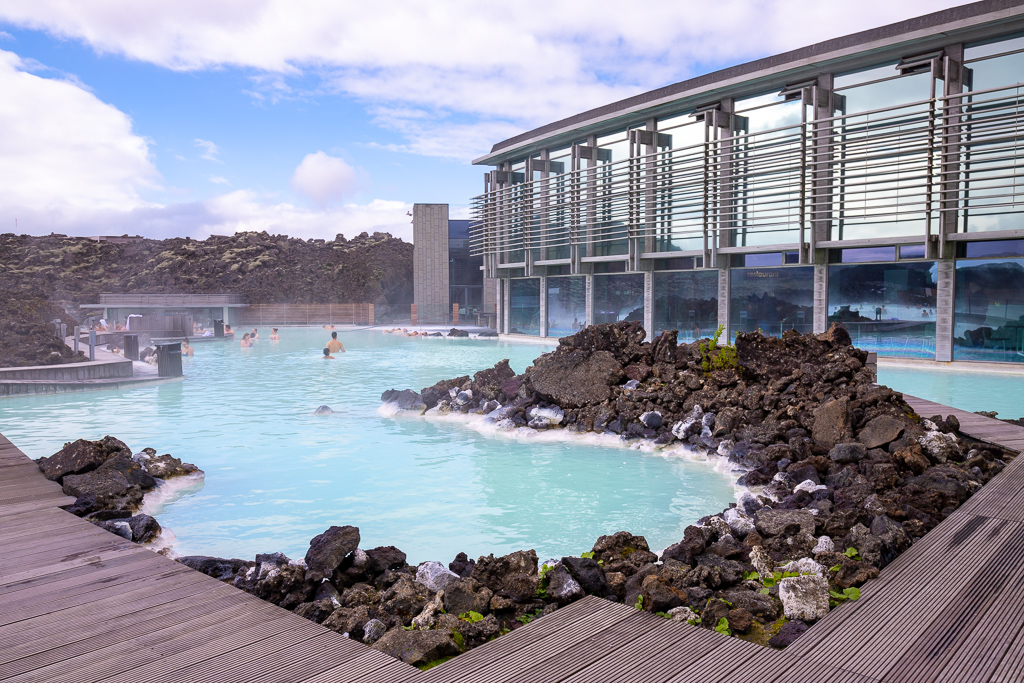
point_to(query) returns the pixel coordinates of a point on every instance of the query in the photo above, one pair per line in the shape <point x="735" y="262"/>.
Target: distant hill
<point x="262" y="268"/>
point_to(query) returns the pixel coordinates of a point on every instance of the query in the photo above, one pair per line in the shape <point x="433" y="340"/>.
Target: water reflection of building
<point x="873" y="179"/>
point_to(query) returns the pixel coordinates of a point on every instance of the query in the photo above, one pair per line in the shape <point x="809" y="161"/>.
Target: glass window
<point x="554" y="196"/>
<point x="679" y="183"/>
<point x="989" y="310"/>
<point x="524" y="311"/>
<point x="618" y="297"/>
<point x="868" y="254"/>
<point x="760" y="260"/>
<point x="912" y="251"/>
<point x="687" y="302"/>
<point x="567" y="305"/>
<point x="771" y="299"/>
<point x="888" y="308"/>
<point x="994" y="248"/>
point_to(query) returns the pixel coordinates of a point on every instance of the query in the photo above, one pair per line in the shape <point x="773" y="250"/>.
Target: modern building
<point x="874" y="179"/>
<point x="203" y="309"/>
<point x="446" y="273"/>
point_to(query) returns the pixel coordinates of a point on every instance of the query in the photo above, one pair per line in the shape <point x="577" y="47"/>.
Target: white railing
<point x="903" y="170"/>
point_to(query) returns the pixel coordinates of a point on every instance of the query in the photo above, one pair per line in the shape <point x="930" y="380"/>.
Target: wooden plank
<point x="518" y="639"/>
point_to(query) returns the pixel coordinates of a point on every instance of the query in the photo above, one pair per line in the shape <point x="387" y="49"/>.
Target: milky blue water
<point x="276" y="474"/>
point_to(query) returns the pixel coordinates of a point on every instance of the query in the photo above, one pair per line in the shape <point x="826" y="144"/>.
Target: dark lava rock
<point x="405" y="599"/>
<point x="81" y="456"/>
<point x="455" y="332"/>
<point x="218" y="567"/>
<point x="784" y="522"/>
<point x="407" y="399"/>
<point x="167" y="466"/>
<point x="575" y="378"/>
<point x="588" y="573"/>
<point x="327" y="550"/>
<point x="384" y="558"/>
<point x="514" y="574"/>
<point x="144" y="528"/>
<point x="417" y="647"/>
<point x="881" y="431"/>
<point x="462" y="565"/>
<point x="561" y="586"/>
<point x="692" y="545"/>
<point x="467" y="595"/>
<point x="110" y="489"/>
<point x="624" y="552"/>
<point x="845" y="453"/>
<point x="789" y="632"/>
<point x="832" y="423"/>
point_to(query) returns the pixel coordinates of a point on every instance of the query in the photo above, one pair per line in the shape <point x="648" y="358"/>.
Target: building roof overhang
<point x="965" y="23"/>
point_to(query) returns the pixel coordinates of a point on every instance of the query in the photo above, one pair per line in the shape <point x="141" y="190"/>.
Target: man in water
<point x="273" y="334"/>
<point x="334" y="346"/>
<point x="327" y="353"/>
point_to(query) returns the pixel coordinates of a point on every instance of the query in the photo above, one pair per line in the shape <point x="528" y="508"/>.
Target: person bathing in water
<point x="327" y="353"/>
<point x="274" y="335"/>
<point x="186" y="349"/>
<point x="334" y="346"/>
<point x="245" y="341"/>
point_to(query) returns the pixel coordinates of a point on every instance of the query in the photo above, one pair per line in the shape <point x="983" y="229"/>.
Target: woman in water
<point x="273" y="334"/>
<point x="186" y="348"/>
<point x="245" y="341"/>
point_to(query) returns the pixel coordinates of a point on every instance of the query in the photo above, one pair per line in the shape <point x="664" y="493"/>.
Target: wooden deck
<point x="78" y="604"/>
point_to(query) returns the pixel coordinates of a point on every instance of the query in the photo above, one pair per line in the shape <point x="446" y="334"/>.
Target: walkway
<point x="78" y="604"/>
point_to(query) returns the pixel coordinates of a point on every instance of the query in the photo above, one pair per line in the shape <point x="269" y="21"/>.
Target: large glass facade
<point x="686" y="301"/>
<point x="989" y="310"/>
<point x="888" y="308"/>
<point x="772" y="300"/>
<point x="567" y="305"/>
<point x="679" y="198"/>
<point x="618" y="297"/>
<point x="524" y="311"/>
<point x="880" y="167"/>
<point x="767" y="193"/>
<point x="992" y="169"/>
<point x="465" y="279"/>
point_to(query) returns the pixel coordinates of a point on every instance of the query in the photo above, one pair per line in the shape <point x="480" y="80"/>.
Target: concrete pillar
<point x="590" y="299"/>
<point x="430" y="260"/>
<point x="506" y="304"/>
<point x="820" y="297"/>
<point x="946" y="280"/>
<point x="723" y="302"/>
<point x="543" y="307"/>
<point x="649" y="304"/>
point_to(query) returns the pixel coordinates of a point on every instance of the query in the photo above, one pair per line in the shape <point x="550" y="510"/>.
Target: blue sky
<point x="312" y="118"/>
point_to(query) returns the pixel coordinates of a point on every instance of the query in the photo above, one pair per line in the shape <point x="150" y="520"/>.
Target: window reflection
<point x="888" y="308"/>
<point x="771" y="299"/>
<point x="679" y="193"/>
<point x="618" y="297"/>
<point x="524" y="309"/>
<point x="989" y="310"/>
<point x="687" y="302"/>
<point x="567" y="305"/>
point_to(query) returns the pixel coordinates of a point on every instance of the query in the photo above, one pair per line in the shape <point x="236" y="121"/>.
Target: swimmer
<point x="334" y="346"/>
<point x="186" y="349"/>
<point x="254" y="335"/>
<point x="327" y="354"/>
<point x="246" y="343"/>
<point x="274" y="336"/>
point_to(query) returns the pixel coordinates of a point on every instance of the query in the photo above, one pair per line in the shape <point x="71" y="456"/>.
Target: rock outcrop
<point x="109" y="483"/>
<point x="843" y="475"/>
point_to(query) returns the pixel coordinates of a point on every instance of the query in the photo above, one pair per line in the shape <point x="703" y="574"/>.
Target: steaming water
<point x="276" y="474"/>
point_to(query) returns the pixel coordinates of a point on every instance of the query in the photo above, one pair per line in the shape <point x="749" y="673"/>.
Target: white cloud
<point x="70" y="163"/>
<point x="219" y="180"/>
<point x="210" y="150"/>
<point x="512" y="66"/>
<point x="323" y="178"/>
<point x="64" y="151"/>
